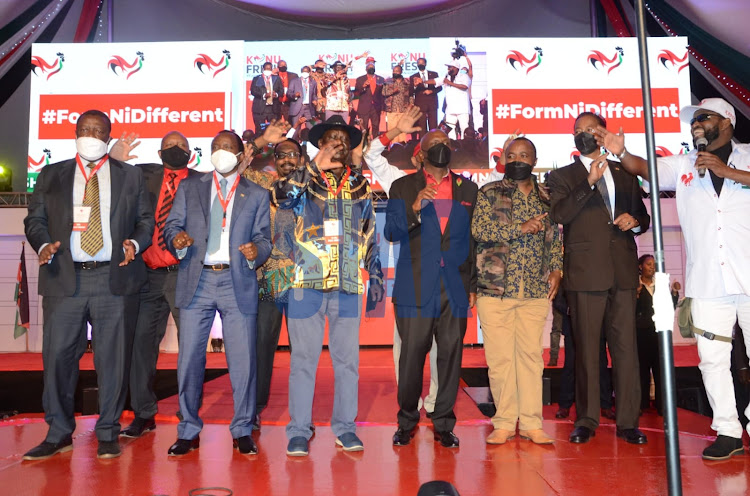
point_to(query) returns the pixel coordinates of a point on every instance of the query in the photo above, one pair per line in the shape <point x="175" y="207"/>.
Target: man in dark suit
<point x="267" y="90"/>
<point x="426" y="86"/>
<point x="369" y="90"/>
<point x="219" y="229"/>
<point x="157" y="298"/>
<point x="89" y="219"/>
<point x="429" y="214"/>
<point x="601" y="210"/>
<point x="286" y="79"/>
<point x="303" y="96"/>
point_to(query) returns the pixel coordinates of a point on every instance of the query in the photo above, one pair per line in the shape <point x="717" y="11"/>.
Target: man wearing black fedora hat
<point x="334" y="232"/>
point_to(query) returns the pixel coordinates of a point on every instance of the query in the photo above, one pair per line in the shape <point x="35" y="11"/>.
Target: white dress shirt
<point x="221" y="256"/>
<point x="716" y="228"/>
<point x="105" y="205"/>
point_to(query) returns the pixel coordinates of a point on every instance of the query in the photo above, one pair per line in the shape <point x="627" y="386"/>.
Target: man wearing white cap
<point x="457" y="103"/>
<point x="712" y="208"/>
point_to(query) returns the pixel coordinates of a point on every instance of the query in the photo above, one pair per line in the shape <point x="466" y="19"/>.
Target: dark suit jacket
<point x="423" y="245"/>
<point x="258" y="89"/>
<point x="420" y="99"/>
<point x="50" y="219"/>
<point x="251" y="222"/>
<point x="153" y="175"/>
<point x="367" y="99"/>
<point x="598" y="256"/>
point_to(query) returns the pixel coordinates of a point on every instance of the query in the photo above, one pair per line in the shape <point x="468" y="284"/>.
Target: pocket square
<point x="466" y="204"/>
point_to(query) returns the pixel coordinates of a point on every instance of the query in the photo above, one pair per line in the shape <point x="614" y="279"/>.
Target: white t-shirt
<point x="716" y="228"/>
<point x="456" y="100"/>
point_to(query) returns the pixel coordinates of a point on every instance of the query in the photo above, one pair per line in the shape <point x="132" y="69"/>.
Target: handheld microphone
<point x="700" y="144"/>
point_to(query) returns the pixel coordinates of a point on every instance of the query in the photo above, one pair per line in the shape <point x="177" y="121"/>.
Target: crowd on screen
<point x="271" y="235"/>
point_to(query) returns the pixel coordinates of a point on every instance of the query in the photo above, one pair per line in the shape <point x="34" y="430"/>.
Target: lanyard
<point x="93" y="171"/>
<point x="341" y="184"/>
<point x="225" y="203"/>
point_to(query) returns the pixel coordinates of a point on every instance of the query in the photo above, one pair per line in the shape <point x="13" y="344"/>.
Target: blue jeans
<point x="308" y="309"/>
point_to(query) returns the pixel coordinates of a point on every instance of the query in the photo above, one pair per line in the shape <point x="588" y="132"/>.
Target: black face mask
<point x="319" y="70"/>
<point x="396" y="76"/>
<point x="439" y="155"/>
<point x="421" y="67"/>
<point x="585" y="142"/>
<point x="282" y="68"/>
<point x="517" y="170"/>
<point x="370" y="70"/>
<point x="175" y="157"/>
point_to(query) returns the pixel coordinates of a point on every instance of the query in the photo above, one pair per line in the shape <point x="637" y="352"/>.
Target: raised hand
<point x="122" y="148"/>
<point x="598" y="166"/>
<point x="406" y="124"/>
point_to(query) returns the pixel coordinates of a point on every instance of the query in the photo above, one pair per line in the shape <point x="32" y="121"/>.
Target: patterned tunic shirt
<point x="510" y="263"/>
<point x="396" y="93"/>
<point x="334" y="229"/>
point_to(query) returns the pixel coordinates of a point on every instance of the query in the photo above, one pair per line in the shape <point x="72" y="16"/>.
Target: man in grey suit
<point x="89" y="219"/>
<point x="219" y="229"/>
<point x="302" y="94"/>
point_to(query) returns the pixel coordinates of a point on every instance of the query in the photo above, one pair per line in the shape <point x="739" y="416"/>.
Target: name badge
<point x="332" y="231"/>
<point x="81" y="215"/>
<point x="224" y="240"/>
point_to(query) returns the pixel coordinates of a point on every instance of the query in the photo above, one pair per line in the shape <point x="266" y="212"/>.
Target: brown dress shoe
<point x="562" y="413"/>
<point x="536" y="436"/>
<point x="500" y="436"/>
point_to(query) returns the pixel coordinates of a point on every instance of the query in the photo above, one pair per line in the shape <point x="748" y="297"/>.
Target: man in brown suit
<point x="601" y="210"/>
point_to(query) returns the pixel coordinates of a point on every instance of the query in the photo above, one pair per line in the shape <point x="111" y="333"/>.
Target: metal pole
<point x="594" y="18"/>
<point x="110" y="22"/>
<point x="671" y="434"/>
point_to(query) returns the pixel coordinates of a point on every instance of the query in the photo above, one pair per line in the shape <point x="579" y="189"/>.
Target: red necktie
<point x="166" y="207"/>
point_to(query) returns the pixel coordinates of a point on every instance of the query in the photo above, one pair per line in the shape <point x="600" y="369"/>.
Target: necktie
<point x="269" y="91"/>
<point x="304" y="96"/>
<point x="424" y="79"/>
<point x="166" y="207"/>
<point x="91" y="238"/>
<point x="217" y="216"/>
<point x="601" y="186"/>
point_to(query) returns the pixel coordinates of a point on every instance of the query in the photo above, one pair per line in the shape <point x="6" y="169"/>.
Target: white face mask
<point x="91" y="148"/>
<point x="305" y="75"/>
<point x="224" y="161"/>
<point x="267" y="73"/>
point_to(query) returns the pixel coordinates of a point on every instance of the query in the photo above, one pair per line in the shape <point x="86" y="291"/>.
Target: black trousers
<point x="568" y="378"/>
<point x="612" y="312"/>
<point x="648" y="360"/>
<point x="428" y="120"/>
<point x="113" y="320"/>
<point x="157" y="301"/>
<point x="270" y="314"/>
<point x="417" y="326"/>
<point x="265" y="115"/>
<point x="369" y="118"/>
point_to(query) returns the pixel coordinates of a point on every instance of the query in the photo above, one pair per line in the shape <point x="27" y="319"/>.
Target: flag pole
<point x="671" y="434"/>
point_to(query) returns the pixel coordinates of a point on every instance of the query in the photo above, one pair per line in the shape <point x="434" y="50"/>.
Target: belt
<point x="169" y="268"/>
<point x="216" y="267"/>
<point x="89" y="265"/>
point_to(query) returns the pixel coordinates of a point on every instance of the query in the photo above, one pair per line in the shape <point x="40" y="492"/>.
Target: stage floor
<point x="606" y="465"/>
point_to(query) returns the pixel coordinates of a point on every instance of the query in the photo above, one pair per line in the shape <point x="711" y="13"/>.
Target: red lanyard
<point x="225" y="203"/>
<point x="93" y="171"/>
<point x="341" y="184"/>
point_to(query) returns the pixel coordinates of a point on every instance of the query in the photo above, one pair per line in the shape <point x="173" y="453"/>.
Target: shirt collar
<point x="428" y="175"/>
<point x="230" y="179"/>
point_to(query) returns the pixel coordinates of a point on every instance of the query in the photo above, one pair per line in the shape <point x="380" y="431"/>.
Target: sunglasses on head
<point x="701" y="118"/>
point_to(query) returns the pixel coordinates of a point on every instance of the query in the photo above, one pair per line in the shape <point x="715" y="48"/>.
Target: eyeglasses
<point x="280" y="155"/>
<point x="701" y="118"/>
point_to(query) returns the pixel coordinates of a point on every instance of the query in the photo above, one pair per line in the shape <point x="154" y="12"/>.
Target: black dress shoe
<point x="447" y="439"/>
<point x="46" y="449"/>
<point x="246" y="445"/>
<point x="138" y="427"/>
<point x="581" y="435"/>
<point x="633" y="436"/>
<point x="562" y="412"/>
<point x="184" y="446"/>
<point x="108" y="449"/>
<point x="724" y="448"/>
<point x="402" y="437"/>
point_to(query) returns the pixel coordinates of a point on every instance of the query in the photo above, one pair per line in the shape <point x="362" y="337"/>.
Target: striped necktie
<point x="166" y="207"/>
<point x="91" y="238"/>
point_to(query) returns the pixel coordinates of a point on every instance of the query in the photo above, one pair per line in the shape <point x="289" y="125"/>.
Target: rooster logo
<point x="195" y="159"/>
<point x="574" y="154"/>
<point x="38" y="63"/>
<point x="600" y="61"/>
<point x="118" y="63"/>
<point x="203" y="61"/>
<point x="36" y="165"/>
<point x="666" y="57"/>
<point x="516" y="59"/>
<point x="254" y="58"/>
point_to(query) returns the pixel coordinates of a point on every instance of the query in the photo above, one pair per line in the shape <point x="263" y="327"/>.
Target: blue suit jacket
<point x="250" y="222"/>
<point x="295" y="86"/>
